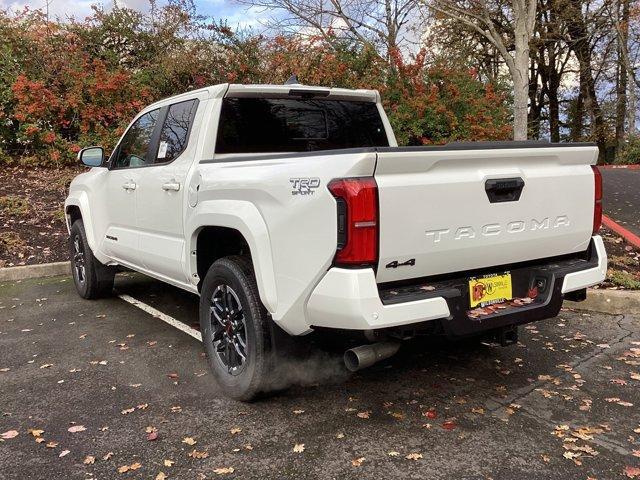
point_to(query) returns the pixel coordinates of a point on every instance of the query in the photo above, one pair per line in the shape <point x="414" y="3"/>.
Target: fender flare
<point x="80" y="200"/>
<point x="244" y="217"/>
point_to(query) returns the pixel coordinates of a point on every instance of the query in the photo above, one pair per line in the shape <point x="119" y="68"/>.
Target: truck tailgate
<point x="445" y="210"/>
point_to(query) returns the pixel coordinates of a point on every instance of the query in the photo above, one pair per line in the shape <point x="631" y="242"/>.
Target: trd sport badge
<point x="304" y="186"/>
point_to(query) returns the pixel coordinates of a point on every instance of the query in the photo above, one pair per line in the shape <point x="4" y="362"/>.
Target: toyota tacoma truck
<point x="290" y="208"/>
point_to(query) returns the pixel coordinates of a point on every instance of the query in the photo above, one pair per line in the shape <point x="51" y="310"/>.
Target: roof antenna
<point x="293" y="80"/>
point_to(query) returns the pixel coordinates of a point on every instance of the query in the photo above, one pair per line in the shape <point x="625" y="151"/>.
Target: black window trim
<point x="154" y="143"/>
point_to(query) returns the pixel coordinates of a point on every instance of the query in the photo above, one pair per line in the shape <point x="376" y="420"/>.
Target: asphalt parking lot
<point x="88" y="385"/>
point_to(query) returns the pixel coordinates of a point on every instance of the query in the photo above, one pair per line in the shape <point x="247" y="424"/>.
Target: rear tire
<point x="91" y="278"/>
<point x="235" y="328"/>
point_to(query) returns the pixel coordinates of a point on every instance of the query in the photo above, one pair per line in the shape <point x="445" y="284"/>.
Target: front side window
<point x="267" y="125"/>
<point x="134" y="147"/>
<point x="175" y="130"/>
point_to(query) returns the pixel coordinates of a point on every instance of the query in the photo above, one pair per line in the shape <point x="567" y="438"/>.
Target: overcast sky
<point x="235" y="14"/>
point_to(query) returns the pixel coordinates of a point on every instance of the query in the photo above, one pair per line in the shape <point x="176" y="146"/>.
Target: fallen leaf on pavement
<point x="363" y="414"/>
<point x="298" y="448"/>
<point x="235" y="430"/>
<point x="153" y="435"/>
<point x="107" y="456"/>
<point x="199" y="455"/>
<point x="9" y="434"/>
<point x="51" y="445"/>
<point x="357" y="462"/>
<point x="64" y="453"/>
<point x="35" y="432"/>
<point x="76" y="428"/>
<point x="127" y="411"/>
<point x="414" y="456"/>
<point x="223" y="470"/>
<point x="168" y="463"/>
<point x="449" y="425"/>
<point x="298" y="412"/>
<point x="161" y="476"/>
<point x="89" y="460"/>
<point x="189" y="441"/>
<point x="393" y="454"/>
<point x="632" y="472"/>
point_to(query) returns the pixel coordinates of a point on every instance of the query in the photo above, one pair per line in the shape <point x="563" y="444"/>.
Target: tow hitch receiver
<point x="505" y="336"/>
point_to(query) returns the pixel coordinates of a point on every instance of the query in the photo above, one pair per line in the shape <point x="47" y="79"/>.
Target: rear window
<point x="264" y="125"/>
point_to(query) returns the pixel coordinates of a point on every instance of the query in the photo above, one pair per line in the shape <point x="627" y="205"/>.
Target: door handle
<point x="129" y="185"/>
<point x="171" y="186"/>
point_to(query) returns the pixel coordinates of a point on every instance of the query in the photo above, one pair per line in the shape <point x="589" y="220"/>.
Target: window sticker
<point x="162" y="151"/>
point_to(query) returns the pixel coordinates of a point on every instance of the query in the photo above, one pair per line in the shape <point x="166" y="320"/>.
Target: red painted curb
<point x="616" y="167"/>
<point x="630" y="237"/>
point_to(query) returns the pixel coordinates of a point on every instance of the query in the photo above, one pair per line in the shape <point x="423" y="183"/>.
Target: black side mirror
<point x="91" y="156"/>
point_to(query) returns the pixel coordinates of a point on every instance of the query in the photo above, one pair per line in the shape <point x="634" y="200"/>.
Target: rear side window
<point x="265" y="125"/>
<point x="175" y="130"/>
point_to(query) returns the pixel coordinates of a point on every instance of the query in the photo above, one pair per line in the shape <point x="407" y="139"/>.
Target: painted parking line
<point x="162" y="316"/>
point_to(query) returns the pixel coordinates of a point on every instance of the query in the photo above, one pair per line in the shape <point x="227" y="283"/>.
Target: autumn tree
<point x="509" y="26"/>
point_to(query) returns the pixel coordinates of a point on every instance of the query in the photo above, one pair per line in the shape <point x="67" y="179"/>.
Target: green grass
<point x="13" y="205"/>
<point x="624" y="279"/>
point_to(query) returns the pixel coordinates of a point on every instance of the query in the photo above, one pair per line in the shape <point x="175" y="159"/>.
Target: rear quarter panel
<point x="294" y="237"/>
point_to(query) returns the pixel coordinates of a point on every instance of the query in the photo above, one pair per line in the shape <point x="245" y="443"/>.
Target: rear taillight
<point x="597" y="201"/>
<point x="357" y="210"/>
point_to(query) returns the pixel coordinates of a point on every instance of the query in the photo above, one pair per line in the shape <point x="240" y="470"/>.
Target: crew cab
<point x="290" y="208"/>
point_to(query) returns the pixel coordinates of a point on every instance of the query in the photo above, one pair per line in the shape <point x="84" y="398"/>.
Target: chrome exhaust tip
<point x="366" y="355"/>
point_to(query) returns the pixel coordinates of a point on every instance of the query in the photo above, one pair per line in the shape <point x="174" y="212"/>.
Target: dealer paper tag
<point x="162" y="151"/>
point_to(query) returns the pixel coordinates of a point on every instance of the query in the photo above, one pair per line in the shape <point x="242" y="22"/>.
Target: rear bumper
<point x="351" y="299"/>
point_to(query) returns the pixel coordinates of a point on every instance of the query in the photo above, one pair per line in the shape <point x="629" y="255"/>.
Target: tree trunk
<point x="535" y="101"/>
<point x="622" y="76"/>
<point x="554" y="105"/>
<point x="520" y="75"/>
<point x="631" y="105"/>
<point x="579" y="40"/>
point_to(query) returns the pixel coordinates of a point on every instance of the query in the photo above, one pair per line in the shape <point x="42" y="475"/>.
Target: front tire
<point x="91" y="278"/>
<point x="235" y="328"/>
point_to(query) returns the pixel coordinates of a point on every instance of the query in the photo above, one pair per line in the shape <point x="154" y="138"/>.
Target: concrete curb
<point x="629" y="237"/>
<point x="25" y="272"/>
<point x="620" y="167"/>
<point x="616" y="302"/>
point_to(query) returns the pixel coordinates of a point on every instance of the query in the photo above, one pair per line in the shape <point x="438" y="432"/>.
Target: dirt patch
<point x="32" y="228"/>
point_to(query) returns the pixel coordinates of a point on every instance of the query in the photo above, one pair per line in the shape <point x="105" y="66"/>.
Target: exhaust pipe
<point x="366" y="355"/>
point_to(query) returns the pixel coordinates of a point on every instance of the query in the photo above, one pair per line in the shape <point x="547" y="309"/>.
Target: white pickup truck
<point x="290" y="208"/>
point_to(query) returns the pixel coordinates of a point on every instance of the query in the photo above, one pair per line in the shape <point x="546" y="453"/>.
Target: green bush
<point x="630" y="153"/>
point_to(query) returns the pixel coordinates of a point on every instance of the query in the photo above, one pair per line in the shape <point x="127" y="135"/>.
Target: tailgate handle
<point x="504" y="189"/>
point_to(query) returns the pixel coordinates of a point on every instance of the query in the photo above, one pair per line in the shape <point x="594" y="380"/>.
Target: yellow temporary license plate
<point x="490" y="289"/>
